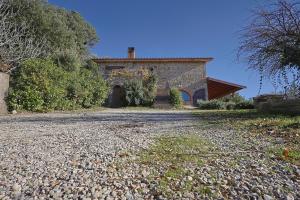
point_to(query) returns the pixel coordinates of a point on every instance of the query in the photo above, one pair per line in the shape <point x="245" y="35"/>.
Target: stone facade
<point x="186" y="76"/>
<point x="4" y="84"/>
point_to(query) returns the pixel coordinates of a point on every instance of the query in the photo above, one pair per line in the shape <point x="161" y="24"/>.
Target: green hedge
<point x="211" y="105"/>
<point x="245" y="105"/>
<point x="222" y="105"/>
<point x="39" y="85"/>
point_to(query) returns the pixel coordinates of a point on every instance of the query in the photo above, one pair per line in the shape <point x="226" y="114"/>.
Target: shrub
<point x="140" y="91"/>
<point x="134" y="92"/>
<point x="150" y="89"/>
<point x="235" y="98"/>
<point x="68" y="60"/>
<point x="247" y="104"/>
<point x="36" y="86"/>
<point x="176" y="98"/>
<point x="86" y="89"/>
<point x="40" y="85"/>
<point x="219" y="105"/>
<point x="230" y="105"/>
<point x="211" y="105"/>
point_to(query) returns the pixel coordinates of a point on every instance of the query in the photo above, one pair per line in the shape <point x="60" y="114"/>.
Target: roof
<point x="218" y="88"/>
<point x="227" y="83"/>
<point x="111" y="60"/>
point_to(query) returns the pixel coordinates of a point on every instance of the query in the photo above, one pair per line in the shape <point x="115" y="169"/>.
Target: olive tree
<point x="271" y="42"/>
<point x="16" y="44"/>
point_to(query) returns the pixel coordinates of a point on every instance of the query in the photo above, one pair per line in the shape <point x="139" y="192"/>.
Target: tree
<point x="293" y="90"/>
<point x="66" y="34"/>
<point x="271" y="42"/>
<point x="16" y="42"/>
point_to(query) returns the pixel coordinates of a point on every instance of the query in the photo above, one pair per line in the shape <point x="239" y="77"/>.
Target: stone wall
<point x="4" y="84"/>
<point x="277" y="104"/>
<point x="188" y="76"/>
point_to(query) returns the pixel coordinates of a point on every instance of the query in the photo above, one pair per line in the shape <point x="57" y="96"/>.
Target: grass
<point x="172" y="155"/>
<point x="259" y="124"/>
<point x="177" y="149"/>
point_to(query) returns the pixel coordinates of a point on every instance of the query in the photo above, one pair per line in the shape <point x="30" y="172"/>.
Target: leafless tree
<point x="271" y="42"/>
<point x="16" y="44"/>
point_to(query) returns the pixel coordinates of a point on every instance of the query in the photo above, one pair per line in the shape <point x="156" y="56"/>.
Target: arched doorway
<point x="199" y="94"/>
<point x="118" y="97"/>
<point x="186" y="97"/>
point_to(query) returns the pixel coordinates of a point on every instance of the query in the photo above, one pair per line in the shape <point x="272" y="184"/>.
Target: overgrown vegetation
<point x="175" y="98"/>
<point x="258" y="124"/>
<point x="134" y="92"/>
<point x="140" y="91"/>
<point x="140" y="86"/>
<point x="48" y="58"/>
<point x="40" y="85"/>
<point x="211" y="105"/>
<point x="53" y="31"/>
<point x="230" y="102"/>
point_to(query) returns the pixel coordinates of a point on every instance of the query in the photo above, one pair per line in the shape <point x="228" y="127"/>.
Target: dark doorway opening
<point x="199" y="94"/>
<point x="118" y="97"/>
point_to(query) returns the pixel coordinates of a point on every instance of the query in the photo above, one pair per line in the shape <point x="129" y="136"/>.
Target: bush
<point x="176" y="98"/>
<point x="36" y="86"/>
<point x="140" y="91"/>
<point x="150" y="89"/>
<point x="39" y="85"/>
<point x="230" y="105"/>
<point x="211" y="105"/>
<point x="86" y="89"/>
<point x="134" y="92"/>
<point x="235" y="98"/>
<point x="69" y="60"/>
<point x="220" y="105"/>
<point x="247" y="104"/>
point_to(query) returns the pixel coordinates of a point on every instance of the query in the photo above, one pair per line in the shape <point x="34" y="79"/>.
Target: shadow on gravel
<point x="102" y="117"/>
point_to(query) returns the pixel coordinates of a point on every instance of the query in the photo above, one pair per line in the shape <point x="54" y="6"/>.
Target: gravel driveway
<point x="38" y="150"/>
<point x="70" y="156"/>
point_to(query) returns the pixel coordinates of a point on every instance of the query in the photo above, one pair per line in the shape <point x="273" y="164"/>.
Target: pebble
<point x="16" y="188"/>
<point x="290" y="197"/>
<point x="76" y="156"/>
<point x="267" y="197"/>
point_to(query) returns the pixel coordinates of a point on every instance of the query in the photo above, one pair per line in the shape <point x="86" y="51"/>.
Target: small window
<point x="114" y="67"/>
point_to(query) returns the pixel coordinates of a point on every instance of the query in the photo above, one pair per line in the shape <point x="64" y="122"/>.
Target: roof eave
<point x="112" y="60"/>
<point x="227" y="83"/>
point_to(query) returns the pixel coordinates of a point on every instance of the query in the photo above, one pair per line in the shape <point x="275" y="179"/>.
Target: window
<point x="114" y="67"/>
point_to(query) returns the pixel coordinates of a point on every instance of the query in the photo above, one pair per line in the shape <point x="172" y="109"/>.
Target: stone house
<point x="186" y="74"/>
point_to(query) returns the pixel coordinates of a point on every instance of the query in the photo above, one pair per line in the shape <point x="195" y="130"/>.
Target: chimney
<point x="131" y="53"/>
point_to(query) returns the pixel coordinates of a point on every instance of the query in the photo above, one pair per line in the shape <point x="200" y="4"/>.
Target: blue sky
<point x="175" y="28"/>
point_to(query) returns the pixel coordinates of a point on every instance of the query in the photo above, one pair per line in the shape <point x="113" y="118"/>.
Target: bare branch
<point x="271" y="42"/>
<point x="16" y="44"/>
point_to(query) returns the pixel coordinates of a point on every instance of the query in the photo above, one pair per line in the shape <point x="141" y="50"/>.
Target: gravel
<point x="85" y="156"/>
